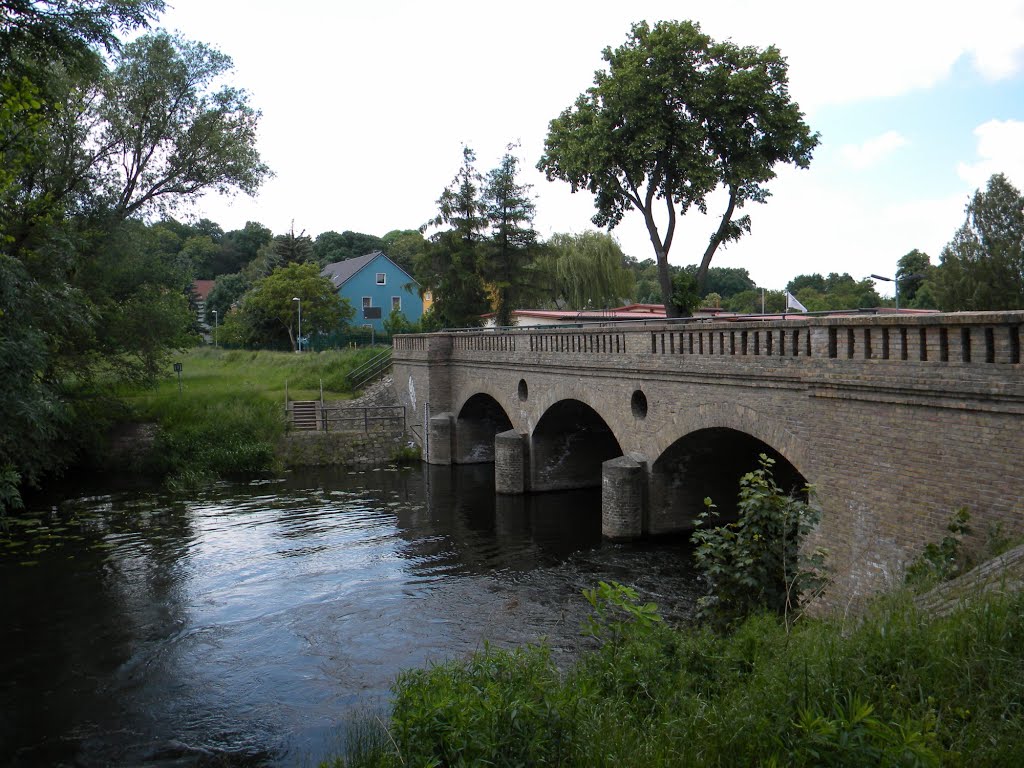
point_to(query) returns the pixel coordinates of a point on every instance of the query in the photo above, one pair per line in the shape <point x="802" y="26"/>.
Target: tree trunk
<point x="665" y="280"/>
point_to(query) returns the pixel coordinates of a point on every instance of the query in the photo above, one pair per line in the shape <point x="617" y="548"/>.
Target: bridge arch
<point x="479" y="419"/>
<point x="568" y="445"/>
<point x="718" y="445"/>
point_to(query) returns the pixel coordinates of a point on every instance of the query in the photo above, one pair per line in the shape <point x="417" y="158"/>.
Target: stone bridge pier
<point x="894" y="420"/>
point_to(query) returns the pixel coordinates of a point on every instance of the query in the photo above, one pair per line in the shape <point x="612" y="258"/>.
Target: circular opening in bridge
<point x="639" y="404"/>
<point x="524" y="391"/>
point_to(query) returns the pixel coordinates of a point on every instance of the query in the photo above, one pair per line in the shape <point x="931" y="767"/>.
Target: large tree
<point x="87" y="149"/>
<point x="271" y="302"/>
<point x="982" y="267"/>
<point x="509" y="265"/>
<point x="674" y="117"/>
<point x="590" y="271"/>
<point x="451" y="265"/>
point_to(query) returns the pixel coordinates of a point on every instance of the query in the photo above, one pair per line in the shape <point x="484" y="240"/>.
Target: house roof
<point x="341" y="272"/>
<point x="202" y="288"/>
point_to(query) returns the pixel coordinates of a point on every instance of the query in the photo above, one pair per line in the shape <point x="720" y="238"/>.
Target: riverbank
<point x="223" y="416"/>
<point x="900" y="685"/>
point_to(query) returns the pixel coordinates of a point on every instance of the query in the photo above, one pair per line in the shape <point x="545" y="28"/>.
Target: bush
<point x="757" y="563"/>
<point x="943" y="561"/>
<point x="898" y="689"/>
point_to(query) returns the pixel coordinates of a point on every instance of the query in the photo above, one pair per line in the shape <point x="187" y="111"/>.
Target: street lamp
<point x="298" y="346"/>
<point x="891" y="280"/>
<point x="215" y="329"/>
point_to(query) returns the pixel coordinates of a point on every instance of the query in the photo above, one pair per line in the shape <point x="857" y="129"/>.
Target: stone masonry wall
<point x="897" y="420"/>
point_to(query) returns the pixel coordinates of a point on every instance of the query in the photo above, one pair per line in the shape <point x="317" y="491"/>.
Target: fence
<point x="362" y="418"/>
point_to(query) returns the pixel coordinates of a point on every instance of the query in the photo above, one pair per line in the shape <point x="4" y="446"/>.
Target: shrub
<point x="757" y="563"/>
<point x="945" y="560"/>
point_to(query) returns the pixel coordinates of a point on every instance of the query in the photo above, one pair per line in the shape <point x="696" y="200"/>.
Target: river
<point x="245" y="623"/>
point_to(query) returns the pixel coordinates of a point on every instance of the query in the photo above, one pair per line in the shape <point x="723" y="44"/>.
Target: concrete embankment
<point x="364" y="444"/>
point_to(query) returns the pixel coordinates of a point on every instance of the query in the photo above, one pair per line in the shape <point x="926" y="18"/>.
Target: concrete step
<point x="304" y="415"/>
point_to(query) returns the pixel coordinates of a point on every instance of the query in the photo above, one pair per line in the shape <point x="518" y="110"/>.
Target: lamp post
<point x="298" y="346"/>
<point x="215" y="329"/>
<point x="891" y="280"/>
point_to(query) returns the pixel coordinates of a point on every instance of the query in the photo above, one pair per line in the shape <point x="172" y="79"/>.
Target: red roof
<point x="202" y="288"/>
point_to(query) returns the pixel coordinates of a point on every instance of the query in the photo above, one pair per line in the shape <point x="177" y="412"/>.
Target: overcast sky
<point x="366" y="107"/>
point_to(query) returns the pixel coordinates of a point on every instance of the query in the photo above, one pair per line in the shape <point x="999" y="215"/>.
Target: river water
<point x="244" y="624"/>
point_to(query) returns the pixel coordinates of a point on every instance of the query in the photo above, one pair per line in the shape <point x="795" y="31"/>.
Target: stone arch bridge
<point x="896" y="420"/>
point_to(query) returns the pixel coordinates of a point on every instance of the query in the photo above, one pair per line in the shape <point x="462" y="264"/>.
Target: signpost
<point x="177" y="370"/>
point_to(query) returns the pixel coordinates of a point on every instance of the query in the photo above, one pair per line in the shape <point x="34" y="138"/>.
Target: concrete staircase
<point x="304" y="415"/>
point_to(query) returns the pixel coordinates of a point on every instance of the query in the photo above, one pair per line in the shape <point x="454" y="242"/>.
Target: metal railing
<point x="360" y="418"/>
<point x="370" y="370"/>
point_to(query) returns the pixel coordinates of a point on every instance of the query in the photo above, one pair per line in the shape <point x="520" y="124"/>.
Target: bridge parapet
<point x="898" y="420"/>
<point x="975" y="338"/>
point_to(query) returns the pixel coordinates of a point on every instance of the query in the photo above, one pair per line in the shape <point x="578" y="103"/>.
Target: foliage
<point x="290" y="248"/>
<point x="750" y="302"/>
<point x="271" y="303"/>
<point x="91" y="144"/>
<point x="675" y="116"/>
<point x="685" y="294"/>
<point x="407" y="454"/>
<point x="451" y="266"/>
<point x="982" y="267"/>
<point x="757" y="562"/>
<point x="728" y="281"/>
<point x="616" y="610"/>
<point x="912" y="270"/>
<point x="166" y="134"/>
<point x="330" y="247"/>
<point x="404" y="247"/>
<point x="510" y="256"/>
<point x="711" y="301"/>
<point x="397" y="322"/>
<point x="229" y="416"/>
<point x="895" y="688"/>
<point x="942" y="561"/>
<point x="645" y="276"/>
<point x="837" y="291"/>
<point x="589" y="271"/>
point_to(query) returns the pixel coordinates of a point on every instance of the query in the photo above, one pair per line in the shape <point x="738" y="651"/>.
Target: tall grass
<point x="229" y="413"/>
<point x="897" y="688"/>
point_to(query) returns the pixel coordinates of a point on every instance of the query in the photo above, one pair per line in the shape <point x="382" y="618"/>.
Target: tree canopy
<point x="271" y="303"/>
<point x="451" y="267"/>
<point x="675" y="116"/>
<point x="509" y="261"/>
<point x="982" y="267"/>
<point x="590" y="271"/>
<point x="94" y="136"/>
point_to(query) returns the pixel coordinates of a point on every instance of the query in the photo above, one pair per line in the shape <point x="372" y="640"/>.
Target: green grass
<point x="229" y="413"/>
<point x="895" y="688"/>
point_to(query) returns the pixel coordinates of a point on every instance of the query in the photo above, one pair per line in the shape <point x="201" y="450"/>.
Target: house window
<point x="382" y="278"/>
<point x="367" y="302"/>
<point x="396" y="303"/>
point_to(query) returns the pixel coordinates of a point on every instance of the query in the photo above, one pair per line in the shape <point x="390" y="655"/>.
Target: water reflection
<point x="240" y="625"/>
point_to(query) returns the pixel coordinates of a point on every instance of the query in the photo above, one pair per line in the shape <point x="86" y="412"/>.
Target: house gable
<point x="374" y="285"/>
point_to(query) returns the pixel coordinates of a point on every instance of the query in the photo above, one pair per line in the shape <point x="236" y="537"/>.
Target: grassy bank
<point x="229" y="413"/>
<point x="897" y="688"/>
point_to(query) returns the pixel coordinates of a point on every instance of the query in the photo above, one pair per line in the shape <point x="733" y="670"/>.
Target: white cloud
<point x="871" y="152"/>
<point x="1000" y="150"/>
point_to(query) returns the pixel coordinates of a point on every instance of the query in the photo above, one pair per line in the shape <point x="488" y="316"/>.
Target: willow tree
<point x="673" y="117"/>
<point x="589" y="271"/>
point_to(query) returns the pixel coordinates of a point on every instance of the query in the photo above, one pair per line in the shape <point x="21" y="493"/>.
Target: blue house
<point x="374" y="286"/>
